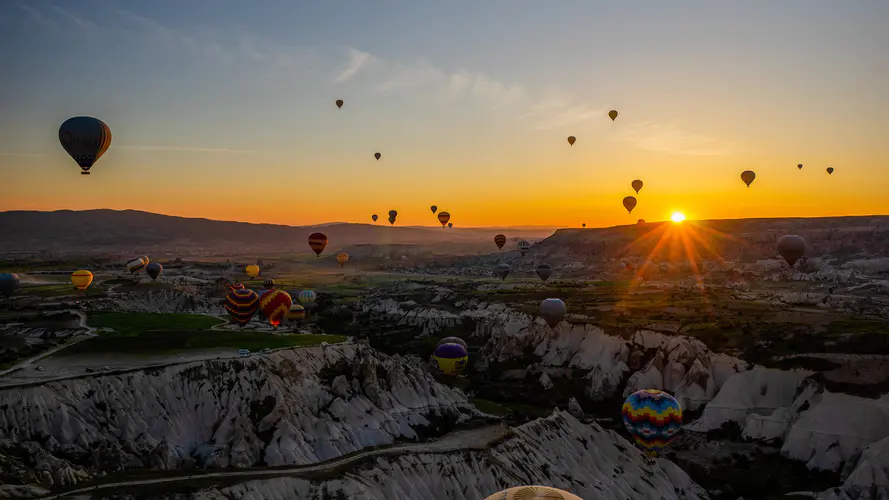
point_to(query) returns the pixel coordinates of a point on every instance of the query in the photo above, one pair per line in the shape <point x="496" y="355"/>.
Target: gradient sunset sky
<point x="225" y="109"/>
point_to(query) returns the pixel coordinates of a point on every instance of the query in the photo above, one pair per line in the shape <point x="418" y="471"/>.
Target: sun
<point x="677" y="217"/>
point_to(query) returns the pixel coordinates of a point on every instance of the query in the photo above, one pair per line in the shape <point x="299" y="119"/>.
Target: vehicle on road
<point x="244" y="353"/>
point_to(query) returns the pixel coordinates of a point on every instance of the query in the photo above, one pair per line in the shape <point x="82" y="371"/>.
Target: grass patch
<point x="59" y="289"/>
<point x="130" y="323"/>
<point x="490" y="407"/>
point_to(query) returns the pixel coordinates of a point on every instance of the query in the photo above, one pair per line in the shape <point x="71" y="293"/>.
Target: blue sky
<point x="471" y="100"/>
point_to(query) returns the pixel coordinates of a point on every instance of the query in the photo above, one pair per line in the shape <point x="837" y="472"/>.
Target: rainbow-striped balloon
<point x="241" y="305"/>
<point x="653" y="418"/>
<point x="274" y="305"/>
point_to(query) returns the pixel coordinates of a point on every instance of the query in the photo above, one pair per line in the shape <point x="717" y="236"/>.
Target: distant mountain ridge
<point x="104" y="230"/>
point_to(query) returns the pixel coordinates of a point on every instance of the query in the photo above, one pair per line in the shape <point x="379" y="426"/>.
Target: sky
<point x="225" y="109"/>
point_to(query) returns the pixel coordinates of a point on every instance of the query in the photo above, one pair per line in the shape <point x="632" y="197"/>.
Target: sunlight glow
<point x="677" y="217"/>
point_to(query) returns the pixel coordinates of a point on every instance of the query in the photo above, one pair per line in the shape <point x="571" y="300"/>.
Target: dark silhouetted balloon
<point x="747" y="176"/>
<point x="377" y="156"/>
<point x="637" y="185"/>
<point x="791" y="247"/>
<point x="374" y="217"/>
<point x="450" y="225"/>
<point x="500" y="240"/>
<point x="434" y="208"/>
<point x="444" y="217"/>
<point x="552" y="311"/>
<point x="544" y="271"/>
<point x="640" y="221"/>
<point x="318" y="242"/>
<point x="630" y="204"/>
<point x="86" y="139"/>
<point x="583" y="225"/>
<point x="154" y="270"/>
<point x="800" y="166"/>
<point x="612" y="114"/>
<point x="571" y="139"/>
<point x="829" y="170"/>
<point x="339" y="103"/>
<point x="523" y="246"/>
<point x="9" y="282"/>
<point x="502" y="270"/>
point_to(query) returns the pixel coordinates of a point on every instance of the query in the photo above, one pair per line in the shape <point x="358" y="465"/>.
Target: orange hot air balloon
<point x="339" y="103"/>
<point x="275" y="304"/>
<point x="630" y="203"/>
<point x="342" y="258"/>
<point x="500" y="240"/>
<point x="444" y="217"/>
<point x="318" y="242"/>
<point x="612" y="114"/>
<point x="747" y="176"/>
<point x="637" y="185"/>
<point x="571" y="140"/>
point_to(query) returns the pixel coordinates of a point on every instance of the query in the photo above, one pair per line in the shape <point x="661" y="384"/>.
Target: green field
<point x="135" y="323"/>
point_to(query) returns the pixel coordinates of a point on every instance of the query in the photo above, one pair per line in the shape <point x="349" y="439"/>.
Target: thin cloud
<point x="40" y="18"/>
<point x="671" y="138"/>
<point x="556" y="109"/>
<point x="189" y="149"/>
<point x="357" y="60"/>
<point x="76" y="20"/>
<point x="405" y="76"/>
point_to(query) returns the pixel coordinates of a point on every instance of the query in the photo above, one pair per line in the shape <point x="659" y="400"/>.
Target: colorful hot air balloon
<point x="637" y="185"/>
<point x="791" y="247"/>
<point x="154" y="270"/>
<point x="317" y="242"/>
<point x="295" y="314"/>
<point x="800" y="166"/>
<point x="571" y="140"/>
<point x="306" y="298"/>
<point x="275" y="304"/>
<point x="450" y="225"/>
<point x="342" y="258"/>
<point x="377" y="156"/>
<point x="533" y="493"/>
<point x="434" y="208"/>
<point x="829" y="170"/>
<point x="339" y="103"/>
<point x="9" y="282"/>
<point x="523" y="246"/>
<point x="630" y="203"/>
<point x="374" y="217"/>
<point x="544" y="271"/>
<point x="136" y="265"/>
<point x="236" y="286"/>
<point x="499" y="240"/>
<point x="86" y="139"/>
<point x="450" y="359"/>
<point x="454" y="340"/>
<point x="252" y="270"/>
<point x="444" y="217"/>
<point x="502" y="270"/>
<point x="653" y="418"/>
<point x="612" y="114"/>
<point x="553" y="311"/>
<point x="81" y="279"/>
<point x="241" y="305"/>
<point x="747" y="176"/>
<point x="268" y="284"/>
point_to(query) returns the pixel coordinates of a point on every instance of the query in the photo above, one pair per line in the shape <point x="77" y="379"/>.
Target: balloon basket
<point x="84" y="173"/>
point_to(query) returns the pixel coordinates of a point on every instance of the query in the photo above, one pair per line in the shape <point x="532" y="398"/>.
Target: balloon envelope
<point x="136" y="265"/>
<point x="450" y="358"/>
<point x="523" y="246"/>
<point x="154" y="270"/>
<point x="453" y="340"/>
<point x="81" y="279"/>
<point x="339" y="103"/>
<point x="571" y="139"/>
<point x="306" y="297"/>
<point x="85" y="139"/>
<point x="544" y="271"/>
<point x="377" y="156"/>
<point x="553" y="311"/>
<point x="653" y="418"/>
<point x="342" y="258"/>
<point x="242" y="304"/>
<point x="444" y="217"/>
<point x="374" y="217"/>
<point x="533" y="493"/>
<point x="433" y="208"/>
<point x="502" y="270"/>
<point x="9" y="282"/>
<point x="275" y="304"/>
<point x="393" y="213"/>
<point x="747" y="176"/>
<point x="637" y="185"/>
<point x="296" y="313"/>
<point x="791" y="247"/>
<point x="629" y="203"/>
<point x="500" y="240"/>
<point x="252" y="270"/>
<point x="800" y="166"/>
<point x="829" y="170"/>
<point x="450" y="224"/>
<point x="318" y="242"/>
<point x="612" y="114"/>
<point x="268" y="284"/>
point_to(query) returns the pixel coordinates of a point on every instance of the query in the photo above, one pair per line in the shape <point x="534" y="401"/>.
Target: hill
<point x="125" y="232"/>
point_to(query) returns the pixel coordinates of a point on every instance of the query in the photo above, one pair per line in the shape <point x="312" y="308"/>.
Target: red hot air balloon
<point x="444" y="217"/>
<point x="275" y="305"/>
<point x="318" y="242"/>
<point x="500" y="240"/>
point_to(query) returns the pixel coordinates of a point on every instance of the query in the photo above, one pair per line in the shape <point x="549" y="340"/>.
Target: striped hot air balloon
<point x="295" y="314"/>
<point x="306" y="298"/>
<point x="136" y="265"/>
<point x="450" y="359"/>
<point x="444" y="217"/>
<point x="523" y="246"/>
<point x="268" y="284"/>
<point x="653" y="418"/>
<point x="236" y="286"/>
<point x="242" y="304"/>
<point x="318" y="242"/>
<point x="275" y="304"/>
<point x="342" y="258"/>
<point x="81" y="279"/>
<point x="533" y="493"/>
<point x="500" y="240"/>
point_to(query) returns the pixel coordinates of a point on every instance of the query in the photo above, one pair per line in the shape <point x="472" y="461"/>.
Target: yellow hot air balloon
<point x="342" y="258"/>
<point x="747" y="176"/>
<point x="252" y="270"/>
<point x="81" y="279"/>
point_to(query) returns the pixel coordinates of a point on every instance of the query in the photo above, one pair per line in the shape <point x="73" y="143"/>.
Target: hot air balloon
<point x="86" y="139"/>
<point x="630" y="203"/>
<point x="146" y="260"/>
<point x="241" y="305"/>
<point x="377" y="156"/>
<point x="342" y="258"/>
<point x="523" y="247"/>
<point x="450" y="359"/>
<point x="339" y="103"/>
<point x="154" y="270"/>
<point x="637" y="185"/>
<point x="791" y="247"/>
<point x="800" y="166"/>
<point x="640" y="221"/>
<point x="533" y="493"/>
<point x="653" y="418"/>
<point x="434" y="208"/>
<point x="295" y="314"/>
<point x="391" y="220"/>
<point x="136" y="265"/>
<point x="450" y="225"/>
<point x="544" y="271"/>
<point x="612" y="114"/>
<point x="9" y="282"/>
<point x="306" y="298"/>
<point x="747" y="176"/>
<point x="829" y="170"/>
<point x="500" y="240"/>
<point x="374" y="217"/>
<point x="571" y="140"/>
<point x="275" y="304"/>
<point x="444" y="217"/>
<point x="454" y="340"/>
<point x="236" y="286"/>
<point x="81" y="279"/>
<point x="252" y="270"/>
<point x="393" y="213"/>
<point x="553" y="311"/>
<point x="268" y="284"/>
<point x="502" y="270"/>
<point x="583" y="225"/>
<point x="317" y="242"/>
